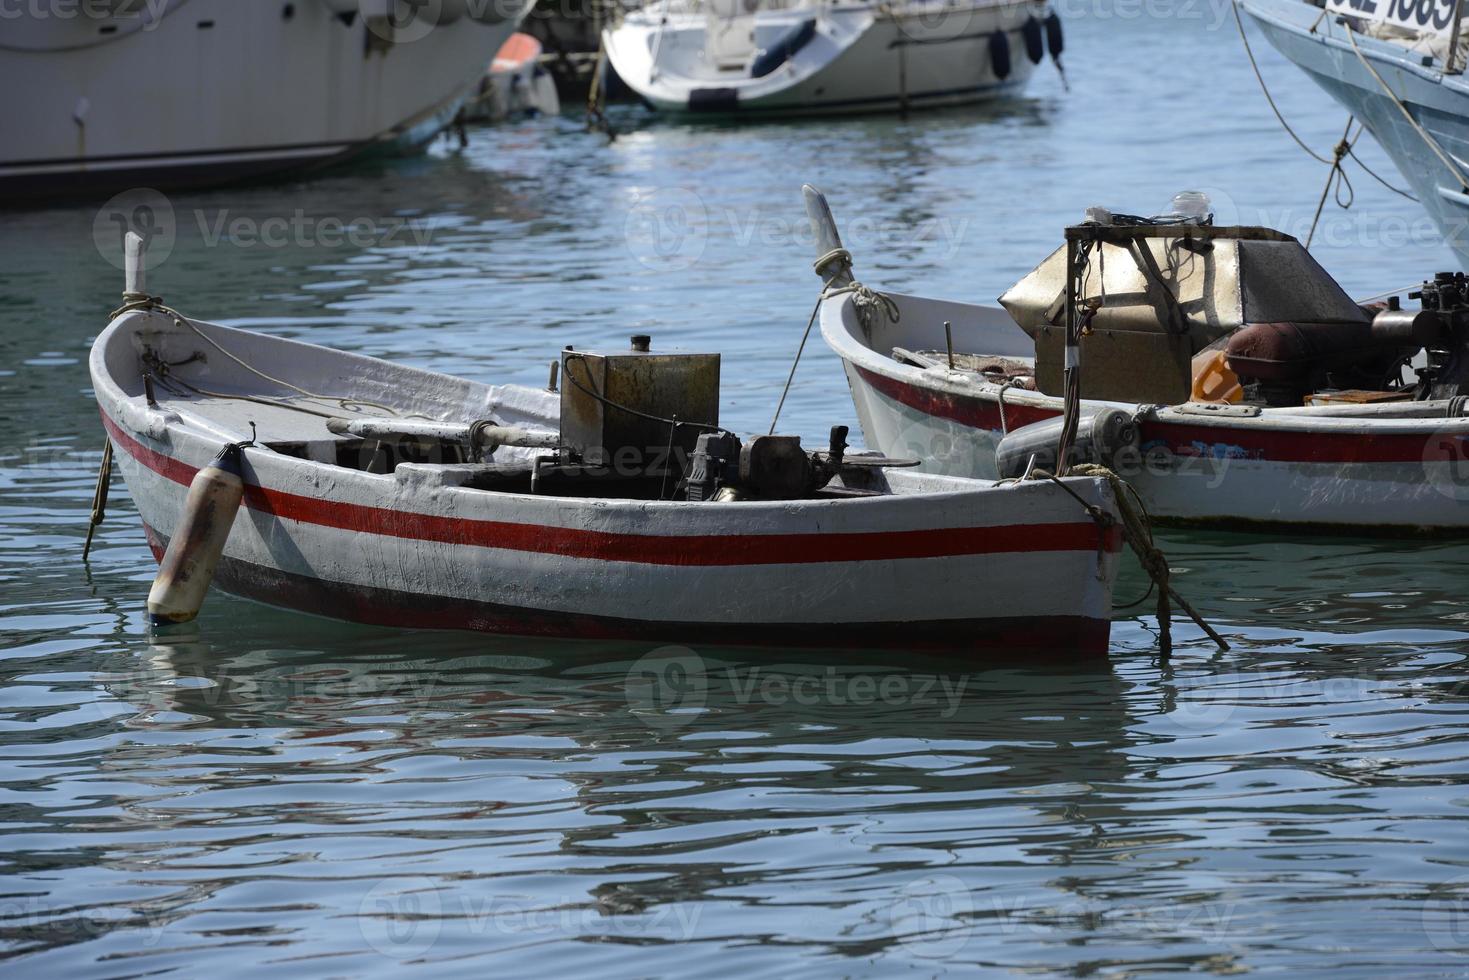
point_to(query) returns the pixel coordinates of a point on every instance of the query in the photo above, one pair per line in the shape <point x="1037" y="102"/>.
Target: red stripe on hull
<point x="1051" y="636"/>
<point x="1182" y="439"/>
<point x="700" y="550"/>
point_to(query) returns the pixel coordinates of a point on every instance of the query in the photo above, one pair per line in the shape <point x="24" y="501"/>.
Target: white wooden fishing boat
<point x="386" y="494"/>
<point x="732" y="57"/>
<point x="172" y="93"/>
<point x="1272" y="401"/>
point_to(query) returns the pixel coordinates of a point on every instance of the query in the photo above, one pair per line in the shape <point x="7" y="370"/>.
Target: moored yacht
<point x="176" y="93"/>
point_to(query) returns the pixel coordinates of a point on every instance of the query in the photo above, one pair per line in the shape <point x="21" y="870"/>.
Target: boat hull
<point x="913" y="58"/>
<point x="105" y="117"/>
<point x="1438" y="102"/>
<point x="1274" y="471"/>
<point x="944" y="565"/>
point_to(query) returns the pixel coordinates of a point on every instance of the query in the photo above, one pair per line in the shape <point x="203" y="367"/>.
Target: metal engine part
<point x="714" y="464"/>
<point x="1100" y="438"/>
<point x="1445" y="300"/>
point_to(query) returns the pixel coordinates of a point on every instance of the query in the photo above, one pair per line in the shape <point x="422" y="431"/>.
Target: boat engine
<point x="1441" y="328"/>
<point x="1284" y="362"/>
<point x="767" y="467"/>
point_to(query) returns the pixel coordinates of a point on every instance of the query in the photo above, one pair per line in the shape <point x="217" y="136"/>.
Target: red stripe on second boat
<point x="732" y="549"/>
<point x="1180" y="438"/>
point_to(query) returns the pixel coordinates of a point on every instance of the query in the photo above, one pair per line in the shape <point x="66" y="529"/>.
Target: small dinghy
<point x="515" y="85"/>
<point x="377" y="493"/>
<point x="734" y="57"/>
<point x="1228" y="378"/>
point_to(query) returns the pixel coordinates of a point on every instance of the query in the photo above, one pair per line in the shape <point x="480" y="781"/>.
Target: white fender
<point x="198" y="541"/>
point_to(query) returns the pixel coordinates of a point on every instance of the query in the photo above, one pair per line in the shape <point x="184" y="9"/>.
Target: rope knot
<point x="837" y="255"/>
<point x="869" y="302"/>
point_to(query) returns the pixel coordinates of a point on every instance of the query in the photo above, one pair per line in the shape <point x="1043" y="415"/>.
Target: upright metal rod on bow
<point x="1071" y="383"/>
<point x="1451" y="63"/>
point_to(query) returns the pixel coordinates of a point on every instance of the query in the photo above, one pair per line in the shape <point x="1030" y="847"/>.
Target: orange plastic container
<point x="1213" y="380"/>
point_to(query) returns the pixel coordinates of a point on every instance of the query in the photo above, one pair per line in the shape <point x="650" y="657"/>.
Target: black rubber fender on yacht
<point x="1035" y="40"/>
<point x="1000" y="55"/>
<point x="1054" y="41"/>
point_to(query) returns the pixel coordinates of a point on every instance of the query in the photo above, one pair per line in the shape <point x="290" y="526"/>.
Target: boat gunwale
<point x="191" y="444"/>
<point x="837" y="328"/>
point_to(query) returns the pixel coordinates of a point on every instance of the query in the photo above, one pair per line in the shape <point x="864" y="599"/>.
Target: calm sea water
<point x="276" y="794"/>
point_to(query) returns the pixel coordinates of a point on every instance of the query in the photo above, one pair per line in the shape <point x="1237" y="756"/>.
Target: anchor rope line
<point x="1004" y="423"/>
<point x="796" y="361"/>
<point x="866" y="300"/>
<point x="1137" y="530"/>
<point x="99" y="497"/>
<point x="1333" y="163"/>
<point x="1428" y="139"/>
<point x="1249" y="52"/>
<point x="1336" y="176"/>
<point x="1378" y="177"/>
<point x="597" y="120"/>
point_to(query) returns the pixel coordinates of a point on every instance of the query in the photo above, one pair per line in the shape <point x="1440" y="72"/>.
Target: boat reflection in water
<point x="480" y="793"/>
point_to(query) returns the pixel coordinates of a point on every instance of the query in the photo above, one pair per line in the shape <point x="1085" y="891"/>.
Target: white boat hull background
<point x="862" y="59"/>
<point x="936" y="563"/>
<point x="1283" y="467"/>
<point x="217" y="90"/>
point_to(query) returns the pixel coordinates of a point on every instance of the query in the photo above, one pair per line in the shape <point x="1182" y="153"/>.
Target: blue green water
<point x="280" y="795"/>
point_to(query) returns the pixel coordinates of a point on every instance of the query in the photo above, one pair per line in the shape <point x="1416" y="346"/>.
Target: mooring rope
<point x="1427" y="139"/>
<point x="1334" y="163"/>
<point x="1137" y="531"/>
<point x="1249" y="52"/>
<point x="99" y="496"/>
<point x="867" y="302"/>
<point x="1338" y="176"/>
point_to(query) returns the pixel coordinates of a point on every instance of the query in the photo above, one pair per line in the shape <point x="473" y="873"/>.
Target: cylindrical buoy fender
<point x="1000" y="55"/>
<point x="1035" y="40"/>
<point x="1055" y="43"/>
<point x="198" y="540"/>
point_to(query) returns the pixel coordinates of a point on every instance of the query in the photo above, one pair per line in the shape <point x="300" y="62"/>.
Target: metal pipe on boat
<point x="198" y="540"/>
<point x="485" y="436"/>
<point x="488" y="438"/>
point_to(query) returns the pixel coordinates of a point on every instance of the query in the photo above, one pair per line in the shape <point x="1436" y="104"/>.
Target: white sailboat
<point x="737" y="57"/>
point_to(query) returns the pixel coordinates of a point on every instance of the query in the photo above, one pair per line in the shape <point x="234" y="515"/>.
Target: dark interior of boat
<point x="768" y="468"/>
